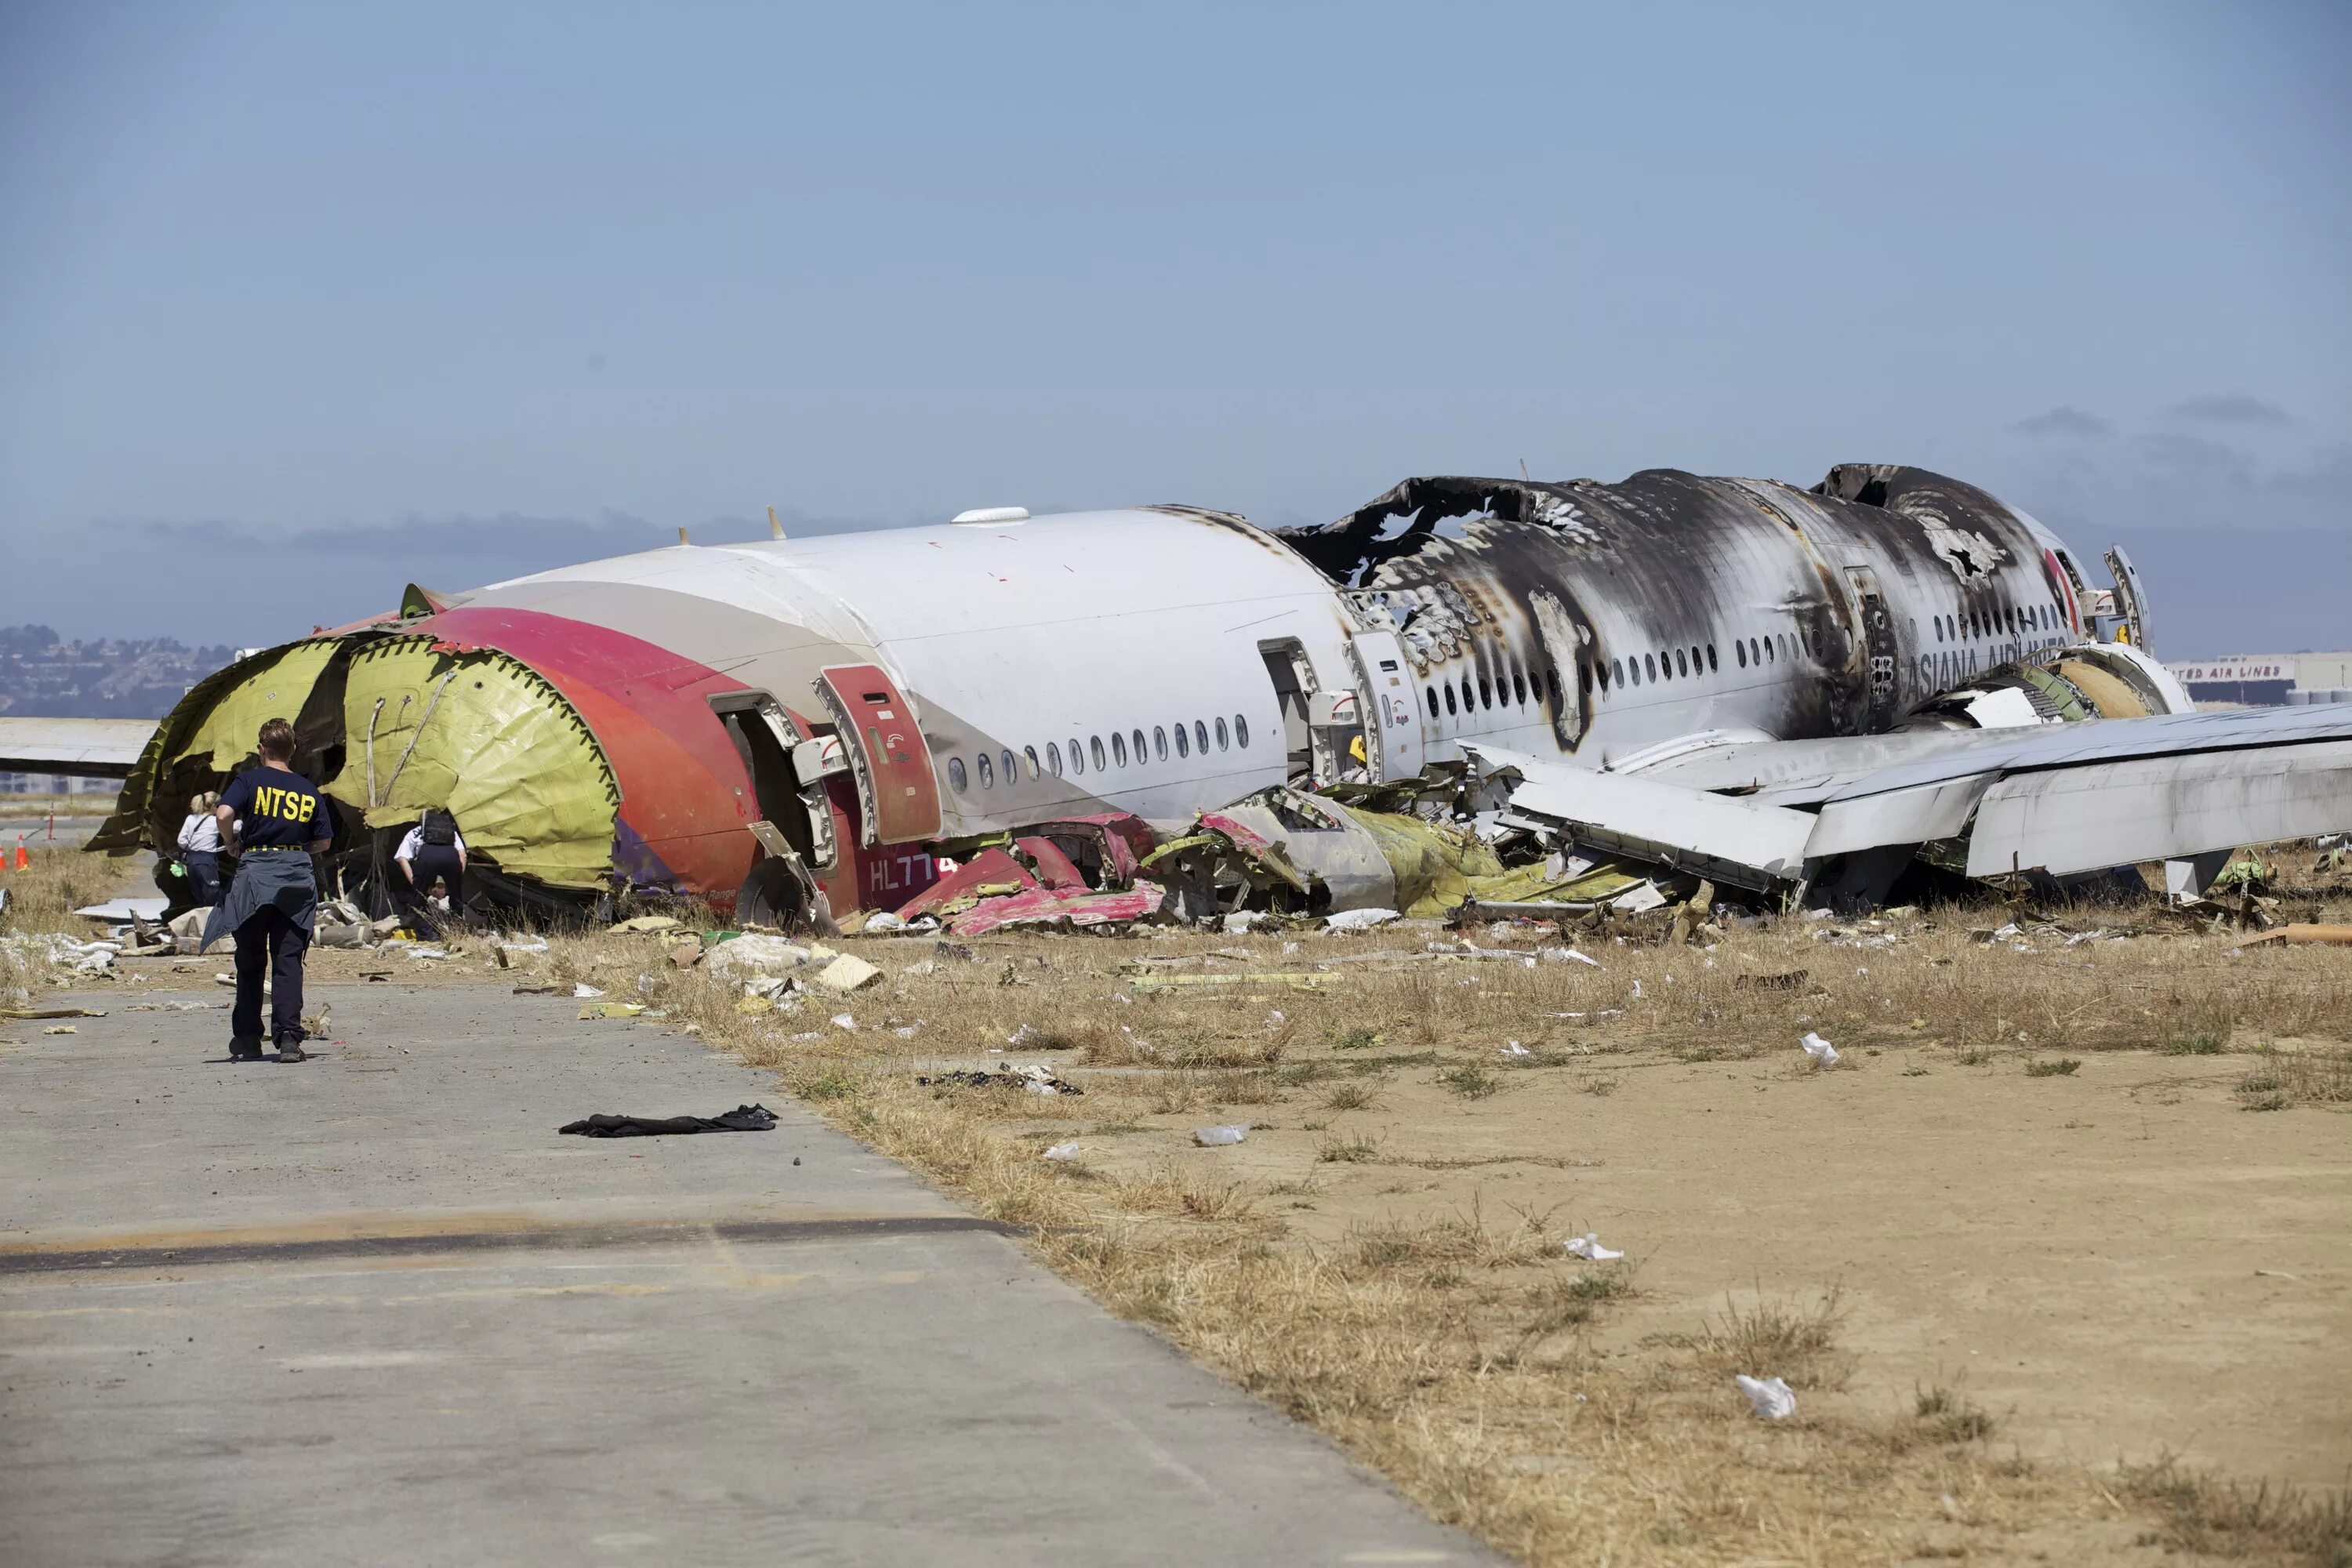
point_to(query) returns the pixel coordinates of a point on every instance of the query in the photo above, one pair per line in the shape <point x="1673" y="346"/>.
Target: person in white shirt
<point x="432" y="851"/>
<point x="200" y="845"/>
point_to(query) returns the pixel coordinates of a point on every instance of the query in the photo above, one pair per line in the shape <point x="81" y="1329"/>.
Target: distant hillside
<point x="118" y="677"/>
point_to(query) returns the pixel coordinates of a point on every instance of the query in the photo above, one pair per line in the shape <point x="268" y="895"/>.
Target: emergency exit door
<point x="897" y="793"/>
<point x="1392" y="746"/>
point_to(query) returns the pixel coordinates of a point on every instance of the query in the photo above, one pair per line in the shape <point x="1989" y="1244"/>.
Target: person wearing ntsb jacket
<point x="273" y="818"/>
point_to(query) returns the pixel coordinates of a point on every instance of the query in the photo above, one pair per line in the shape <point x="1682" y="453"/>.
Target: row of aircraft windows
<point x="1701" y="659"/>
<point x="1189" y="738"/>
<point x="2003" y="623"/>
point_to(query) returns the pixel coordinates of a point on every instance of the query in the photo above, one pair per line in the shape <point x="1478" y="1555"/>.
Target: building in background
<point x="2268" y="680"/>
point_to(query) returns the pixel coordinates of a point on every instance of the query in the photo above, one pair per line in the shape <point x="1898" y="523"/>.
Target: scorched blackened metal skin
<point x="1885" y="584"/>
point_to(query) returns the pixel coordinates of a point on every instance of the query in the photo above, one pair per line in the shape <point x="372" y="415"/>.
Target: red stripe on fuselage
<point x="683" y="790"/>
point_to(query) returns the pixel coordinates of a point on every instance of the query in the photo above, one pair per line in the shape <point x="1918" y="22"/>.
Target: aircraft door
<point x="897" y="793"/>
<point x="1882" y="694"/>
<point x="1393" y="742"/>
<point x="2129" y="601"/>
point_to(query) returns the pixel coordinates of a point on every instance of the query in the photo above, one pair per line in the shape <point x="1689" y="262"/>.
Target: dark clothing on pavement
<point x="270" y="941"/>
<point x="742" y="1119"/>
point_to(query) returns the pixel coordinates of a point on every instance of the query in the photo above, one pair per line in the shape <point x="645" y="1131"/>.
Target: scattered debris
<point x="1359" y="920"/>
<point x="1217" y="1137"/>
<point x="651" y="924"/>
<point x="1026" y="1079"/>
<point x="1062" y="1151"/>
<point x="613" y="1010"/>
<point x="2305" y="936"/>
<point x="1824" y="1053"/>
<point x="1770" y="1397"/>
<point x="846" y="1021"/>
<point x="583" y="992"/>
<point x="848" y="972"/>
<point x="1588" y="1246"/>
<point x="742" y="1119"/>
<point x="61" y="1029"/>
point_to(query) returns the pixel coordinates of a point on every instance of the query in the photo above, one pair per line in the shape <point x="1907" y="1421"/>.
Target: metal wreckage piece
<point x="1470" y="693"/>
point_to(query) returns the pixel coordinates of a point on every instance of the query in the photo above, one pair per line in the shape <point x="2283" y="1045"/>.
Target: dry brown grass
<point x="1459" y="1353"/>
<point x="60" y="880"/>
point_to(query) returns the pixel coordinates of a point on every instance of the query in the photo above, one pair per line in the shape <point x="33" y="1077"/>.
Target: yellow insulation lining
<point x="274" y="689"/>
<point x="1437" y="867"/>
<point x="480" y="735"/>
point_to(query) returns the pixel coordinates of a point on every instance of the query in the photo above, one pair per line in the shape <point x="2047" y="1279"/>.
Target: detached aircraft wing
<point x="2058" y="798"/>
<point x="85" y="747"/>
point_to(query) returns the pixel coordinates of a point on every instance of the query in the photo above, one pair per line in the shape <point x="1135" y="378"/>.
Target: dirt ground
<point x="2055" y="1257"/>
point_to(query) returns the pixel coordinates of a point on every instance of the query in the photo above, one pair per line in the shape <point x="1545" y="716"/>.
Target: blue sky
<point x="302" y="302"/>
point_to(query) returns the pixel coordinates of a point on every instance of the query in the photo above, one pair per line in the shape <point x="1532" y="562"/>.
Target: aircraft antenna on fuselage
<point x="775" y="529"/>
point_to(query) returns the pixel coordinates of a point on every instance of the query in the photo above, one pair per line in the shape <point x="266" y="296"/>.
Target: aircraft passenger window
<point x="1739" y="652"/>
<point x="958" y="780"/>
<point x="1449" y="699"/>
<point x="1682" y="665"/>
<point x="1486" y="692"/>
<point x="1431" y="693"/>
<point x="987" y="773"/>
<point x="1649" y="667"/>
<point x="1200" y="737"/>
<point x="1469" y="702"/>
<point x="1053" y="758"/>
<point x="1241" y="731"/>
<point x="1031" y="753"/>
<point x="1519" y="687"/>
<point x="1095" y="748"/>
<point x="1118" y="748"/>
<point x="1142" y="756"/>
<point x="1158" y="741"/>
<point x="1183" y="741"/>
<point x="1711" y="666"/>
<point x="1617" y="671"/>
<point x="1772" y="650"/>
<point x="1221" y="731"/>
<point x="1697" y="667"/>
<point x="1011" y="770"/>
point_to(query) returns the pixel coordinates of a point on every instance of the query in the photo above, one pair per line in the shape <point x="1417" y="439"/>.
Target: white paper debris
<point x="844" y="1021"/>
<point x="1825" y="1054"/>
<point x="583" y="992"/>
<point x="1588" y="1246"/>
<point x="1516" y="1049"/>
<point x="1062" y="1151"/>
<point x="1359" y="920"/>
<point x="1213" y="1137"/>
<point x="1567" y="955"/>
<point x="1770" y="1396"/>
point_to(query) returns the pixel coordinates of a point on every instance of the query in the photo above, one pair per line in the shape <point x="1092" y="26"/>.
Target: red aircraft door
<point x="892" y="767"/>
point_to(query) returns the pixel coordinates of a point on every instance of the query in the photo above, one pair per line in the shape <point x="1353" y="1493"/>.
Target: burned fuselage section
<point x="1612" y="617"/>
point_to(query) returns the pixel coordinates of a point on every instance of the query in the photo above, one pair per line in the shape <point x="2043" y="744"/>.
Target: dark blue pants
<point x="204" y="871"/>
<point x="269" y="940"/>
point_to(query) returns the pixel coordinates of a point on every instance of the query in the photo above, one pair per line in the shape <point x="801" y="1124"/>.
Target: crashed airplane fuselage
<point x="771" y="718"/>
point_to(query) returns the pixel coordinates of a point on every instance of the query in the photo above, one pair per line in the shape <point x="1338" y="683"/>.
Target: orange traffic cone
<point x="24" y="861"/>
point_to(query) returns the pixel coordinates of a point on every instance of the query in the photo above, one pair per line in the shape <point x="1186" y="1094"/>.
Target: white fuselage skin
<point x="1054" y="663"/>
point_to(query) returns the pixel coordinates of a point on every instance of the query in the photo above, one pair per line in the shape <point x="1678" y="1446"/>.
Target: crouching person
<point x="273" y="818"/>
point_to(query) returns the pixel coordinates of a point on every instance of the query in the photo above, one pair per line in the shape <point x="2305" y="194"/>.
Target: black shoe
<point x="245" y="1048"/>
<point x="291" y="1052"/>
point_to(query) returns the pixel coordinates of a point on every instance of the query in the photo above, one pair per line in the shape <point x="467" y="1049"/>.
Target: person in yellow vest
<point x="272" y="818"/>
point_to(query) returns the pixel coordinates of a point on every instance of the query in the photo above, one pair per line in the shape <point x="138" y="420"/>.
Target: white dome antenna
<point x="980" y="516"/>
